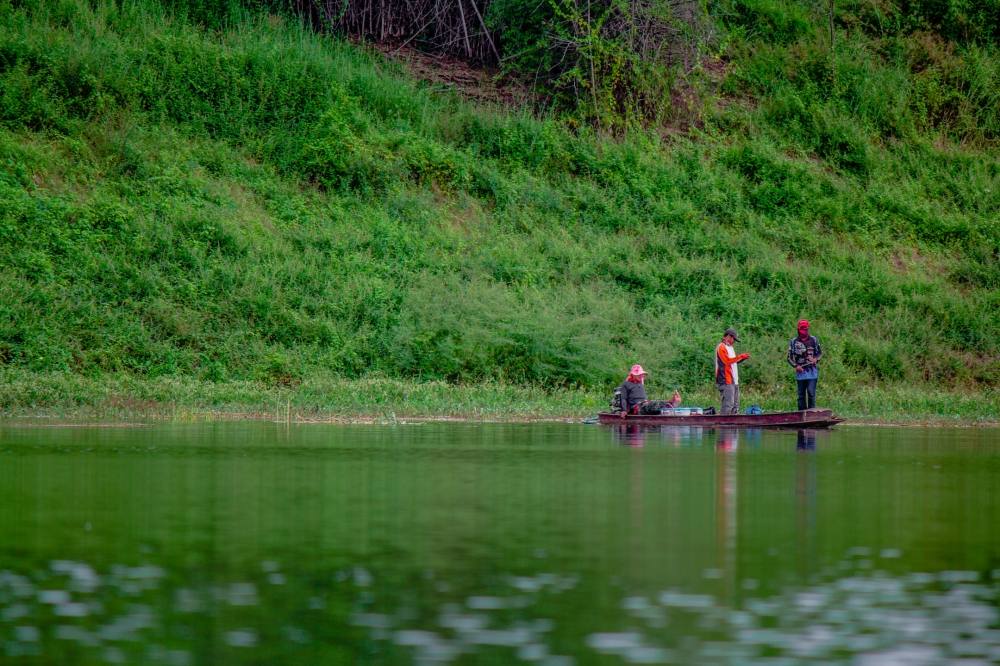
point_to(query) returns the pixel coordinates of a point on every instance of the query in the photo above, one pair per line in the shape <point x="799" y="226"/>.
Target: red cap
<point x="637" y="370"/>
<point x="803" y="324"/>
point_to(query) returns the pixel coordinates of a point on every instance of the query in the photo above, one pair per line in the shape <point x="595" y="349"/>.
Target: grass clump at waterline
<point x="62" y="396"/>
<point x="255" y="211"/>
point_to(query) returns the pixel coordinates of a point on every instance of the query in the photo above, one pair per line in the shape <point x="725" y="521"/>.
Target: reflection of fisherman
<point x="804" y="353"/>
<point x="633" y="395"/>
<point x="727" y="440"/>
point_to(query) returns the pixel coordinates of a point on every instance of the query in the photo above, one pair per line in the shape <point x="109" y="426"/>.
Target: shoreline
<point x="27" y="397"/>
<point x="141" y="420"/>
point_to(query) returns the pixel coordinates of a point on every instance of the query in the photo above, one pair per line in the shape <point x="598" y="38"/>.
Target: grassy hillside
<point x="264" y="208"/>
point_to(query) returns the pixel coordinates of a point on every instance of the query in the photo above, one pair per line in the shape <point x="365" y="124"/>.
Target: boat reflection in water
<point x="680" y="435"/>
<point x="638" y="436"/>
<point x="727" y="444"/>
<point x="629" y="435"/>
<point x="731" y="439"/>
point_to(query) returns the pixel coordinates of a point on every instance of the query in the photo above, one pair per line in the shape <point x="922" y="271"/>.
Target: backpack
<point x="617" y="403"/>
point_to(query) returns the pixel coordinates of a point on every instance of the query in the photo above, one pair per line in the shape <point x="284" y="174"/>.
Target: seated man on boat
<point x="631" y="395"/>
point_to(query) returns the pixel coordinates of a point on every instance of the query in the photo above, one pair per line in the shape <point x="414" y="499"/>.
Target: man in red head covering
<point x="804" y="353"/>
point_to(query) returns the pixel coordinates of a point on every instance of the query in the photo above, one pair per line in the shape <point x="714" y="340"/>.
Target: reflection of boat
<point x="630" y="435"/>
<point x="809" y="418"/>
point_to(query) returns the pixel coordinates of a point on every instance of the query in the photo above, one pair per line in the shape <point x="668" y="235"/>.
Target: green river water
<point x="556" y="544"/>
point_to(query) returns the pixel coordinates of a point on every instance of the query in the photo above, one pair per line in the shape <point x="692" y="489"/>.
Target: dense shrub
<point x="609" y="62"/>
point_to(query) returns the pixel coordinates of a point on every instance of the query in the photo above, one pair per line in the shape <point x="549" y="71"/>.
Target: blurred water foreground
<point x="518" y="543"/>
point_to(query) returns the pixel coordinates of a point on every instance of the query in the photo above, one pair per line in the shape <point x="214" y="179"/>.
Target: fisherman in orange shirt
<point x="727" y="372"/>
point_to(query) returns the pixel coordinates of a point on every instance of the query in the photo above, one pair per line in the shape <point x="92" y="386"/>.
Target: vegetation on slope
<point x="260" y="203"/>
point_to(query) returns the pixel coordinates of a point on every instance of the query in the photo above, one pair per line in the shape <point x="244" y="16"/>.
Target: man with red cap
<point x="633" y="395"/>
<point x="804" y="353"/>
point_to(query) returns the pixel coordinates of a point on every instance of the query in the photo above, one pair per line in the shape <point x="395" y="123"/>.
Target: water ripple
<point x="129" y="614"/>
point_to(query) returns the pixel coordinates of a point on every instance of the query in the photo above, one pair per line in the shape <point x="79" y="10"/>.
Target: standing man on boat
<point x="804" y="353"/>
<point x="727" y="372"/>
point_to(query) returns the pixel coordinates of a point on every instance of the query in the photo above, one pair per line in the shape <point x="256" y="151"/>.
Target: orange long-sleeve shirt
<point x="726" y="359"/>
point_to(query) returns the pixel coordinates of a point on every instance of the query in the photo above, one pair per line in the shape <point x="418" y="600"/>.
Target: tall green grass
<point x="257" y="203"/>
<point x="25" y="396"/>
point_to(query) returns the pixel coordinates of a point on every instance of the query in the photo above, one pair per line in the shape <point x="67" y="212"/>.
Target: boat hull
<point x="810" y="418"/>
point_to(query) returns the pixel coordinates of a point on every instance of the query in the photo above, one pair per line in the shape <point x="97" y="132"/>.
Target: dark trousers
<point x="807" y="393"/>
<point x="651" y="407"/>
<point x="730" y="394"/>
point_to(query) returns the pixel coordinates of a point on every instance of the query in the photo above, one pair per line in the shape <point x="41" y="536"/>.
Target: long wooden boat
<point x="809" y="418"/>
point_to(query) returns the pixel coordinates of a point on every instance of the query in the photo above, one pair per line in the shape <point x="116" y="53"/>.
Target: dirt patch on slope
<point x="475" y="83"/>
